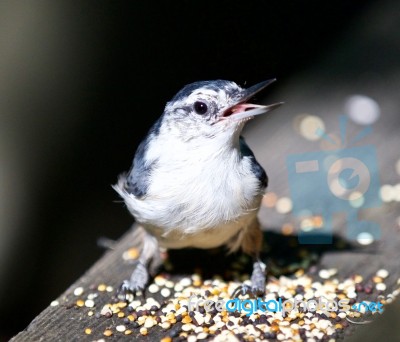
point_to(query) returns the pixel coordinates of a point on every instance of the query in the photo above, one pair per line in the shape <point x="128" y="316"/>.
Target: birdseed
<point x="89" y="303"/>
<point x="102" y="287"/>
<point x="166" y="306"/>
<point x="165" y="292"/>
<point x="78" y="291"/>
<point x="380" y="287"/>
<point x="382" y="273"/>
<point x="153" y="288"/>
<point x="130" y="254"/>
<point x="107" y="332"/>
<point x="121" y="328"/>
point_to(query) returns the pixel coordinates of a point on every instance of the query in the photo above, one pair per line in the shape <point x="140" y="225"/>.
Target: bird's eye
<point x="200" y="107"/>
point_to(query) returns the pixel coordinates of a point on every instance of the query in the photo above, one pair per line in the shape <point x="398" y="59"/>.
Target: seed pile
<point x="165" y="308"/>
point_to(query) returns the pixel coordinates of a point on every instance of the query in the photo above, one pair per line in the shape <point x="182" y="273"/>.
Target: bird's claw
<point x="257" y="287"/>
<point x="251" y="291"/>
<point x="127" y="289"/>
<point x="136" y="285"/>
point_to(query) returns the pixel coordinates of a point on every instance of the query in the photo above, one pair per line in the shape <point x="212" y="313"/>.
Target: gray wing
<point x="256" y="168"/>
<point x="137" y="180"/>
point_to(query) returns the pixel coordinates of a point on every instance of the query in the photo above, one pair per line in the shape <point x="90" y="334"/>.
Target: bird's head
<point x="213" y="108"/>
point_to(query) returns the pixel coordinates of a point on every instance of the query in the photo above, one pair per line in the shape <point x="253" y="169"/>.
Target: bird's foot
<point x="251" y="291"/>
<point x="136" y="284"/>
<point x="257" y="287"/>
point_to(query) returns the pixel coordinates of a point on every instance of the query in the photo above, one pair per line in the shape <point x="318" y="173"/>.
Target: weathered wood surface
<point x="67" y="322"/>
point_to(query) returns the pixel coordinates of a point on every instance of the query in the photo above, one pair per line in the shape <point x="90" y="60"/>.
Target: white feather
<point x="210" y="200"/>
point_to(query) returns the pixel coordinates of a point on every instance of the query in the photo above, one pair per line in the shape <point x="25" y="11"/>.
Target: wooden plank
<point x="68" y="322"/>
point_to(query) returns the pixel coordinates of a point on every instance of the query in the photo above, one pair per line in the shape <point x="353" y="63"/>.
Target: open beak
<point x="243" y="110"/>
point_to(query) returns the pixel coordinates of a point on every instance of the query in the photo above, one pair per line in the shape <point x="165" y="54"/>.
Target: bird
<point x="195" y="183"/>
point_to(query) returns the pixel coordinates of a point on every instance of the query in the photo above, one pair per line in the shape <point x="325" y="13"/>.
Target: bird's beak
<point x="243" y="110"/>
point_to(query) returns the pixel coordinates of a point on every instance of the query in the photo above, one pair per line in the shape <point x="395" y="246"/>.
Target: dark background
<point x="82" y="82"/>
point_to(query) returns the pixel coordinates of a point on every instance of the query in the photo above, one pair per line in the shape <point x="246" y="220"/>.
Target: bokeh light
<point x="309" y="126"/>
<point x="269" y="200"/>
<point x="307" y="225"/>
<point x="396" y="192"/>
<point x="356" y="199"/>
<point x="387" y="193"/>
<point x="287" y="229"/>
<point x="311" y="223"/>
<point x="365" y="238"/>
<point x="284" y="205"/>
<point x="318" y="221"/>
<point x="362" y="109"/>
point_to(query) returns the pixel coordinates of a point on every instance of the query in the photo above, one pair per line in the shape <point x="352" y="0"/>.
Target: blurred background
<point x="82" y="82"/>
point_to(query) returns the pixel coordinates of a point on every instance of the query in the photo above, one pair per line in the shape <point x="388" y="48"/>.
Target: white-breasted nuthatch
<point x="194" y="181"/>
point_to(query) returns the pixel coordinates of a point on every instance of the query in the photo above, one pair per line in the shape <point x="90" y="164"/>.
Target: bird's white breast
<point x="198" y="195"/>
